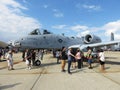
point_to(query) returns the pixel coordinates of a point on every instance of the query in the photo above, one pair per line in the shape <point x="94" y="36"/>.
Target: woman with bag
<point x="78" y="58"/>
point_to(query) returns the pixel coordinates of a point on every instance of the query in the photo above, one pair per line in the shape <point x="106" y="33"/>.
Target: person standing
<point x="0" y="53"/>
<point x="89" y="57"/>
<point x="78" y="58"/>
<point x="102" y="59"/>
<point x="63" y="57"/>
<point x="58" y="56"/>
<point x="70" y="59"/>
<point x="28" y="58"/>
<point x="73" y="51"/>
<point x="23" y="55"/>
<point x="33" y="57"/>
<point x="82" y="58"/>
<point x="40" y="54"/>
<point x="9" y="58"/>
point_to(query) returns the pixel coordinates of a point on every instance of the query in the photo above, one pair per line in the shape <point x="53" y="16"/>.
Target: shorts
<point x="89" y="61"/>
<point x="102" y="63"/>
<point x="73" y="60"/>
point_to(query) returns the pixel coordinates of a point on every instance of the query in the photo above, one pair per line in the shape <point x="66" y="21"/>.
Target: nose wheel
<point x="37" y="62"/>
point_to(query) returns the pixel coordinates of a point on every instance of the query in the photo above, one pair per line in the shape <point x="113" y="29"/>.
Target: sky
<point x="71" y="17"/>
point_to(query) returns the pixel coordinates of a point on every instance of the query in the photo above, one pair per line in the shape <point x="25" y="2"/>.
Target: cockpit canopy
<point x="37" y="32"/>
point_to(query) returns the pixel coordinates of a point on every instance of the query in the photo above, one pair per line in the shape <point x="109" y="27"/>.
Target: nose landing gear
<point x="37" y="62"/>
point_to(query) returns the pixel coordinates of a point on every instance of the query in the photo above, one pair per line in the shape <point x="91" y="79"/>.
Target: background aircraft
<point x="3" y="44"/>
<point x="48" y="40"/>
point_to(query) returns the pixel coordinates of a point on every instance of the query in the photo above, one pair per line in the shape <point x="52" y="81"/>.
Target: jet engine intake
<point x="89" y="39"/>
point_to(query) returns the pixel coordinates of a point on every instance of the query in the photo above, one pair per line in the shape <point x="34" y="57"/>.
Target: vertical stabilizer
<point x="112" y="36"/>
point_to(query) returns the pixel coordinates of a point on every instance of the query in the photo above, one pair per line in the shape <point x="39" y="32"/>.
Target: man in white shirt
<point x="70" y="59"/>
<point x="102" y="60"/>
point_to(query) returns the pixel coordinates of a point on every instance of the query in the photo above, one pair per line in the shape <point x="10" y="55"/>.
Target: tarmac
<point x="48" y="76"/>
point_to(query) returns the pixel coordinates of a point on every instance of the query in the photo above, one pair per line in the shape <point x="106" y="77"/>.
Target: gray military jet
<point x="48" y="40"/>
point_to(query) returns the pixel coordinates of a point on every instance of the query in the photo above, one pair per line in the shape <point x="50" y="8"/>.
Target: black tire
<point x="37" y="62"/>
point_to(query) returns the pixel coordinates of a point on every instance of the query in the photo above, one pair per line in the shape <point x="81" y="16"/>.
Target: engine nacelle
<point x="89" y="39"/>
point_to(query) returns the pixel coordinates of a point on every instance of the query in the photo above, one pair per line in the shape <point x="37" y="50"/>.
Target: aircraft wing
<point x="3" y="44"/>
<point x="83" y="46"/>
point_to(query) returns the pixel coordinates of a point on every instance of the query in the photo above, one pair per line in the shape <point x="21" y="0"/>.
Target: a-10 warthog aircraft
<point x="48" y="40"/>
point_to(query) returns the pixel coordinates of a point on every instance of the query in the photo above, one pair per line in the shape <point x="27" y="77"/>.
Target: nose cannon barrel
<point x="17" y="44"/>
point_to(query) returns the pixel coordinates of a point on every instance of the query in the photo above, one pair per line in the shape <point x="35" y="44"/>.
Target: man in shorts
<point x="102" y="60"/>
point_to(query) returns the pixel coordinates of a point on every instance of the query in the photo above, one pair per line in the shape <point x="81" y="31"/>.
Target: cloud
<point x="59" y="26"/>
<point x="78" y="28"/>
<point x="45" y="6"/>
<point x="25" y="1"/>
<point x="104" y="31"/>
<point x="113" y="27"/>
<point x="13" y="22"/>
<point x="88" y="7"/>
<point x="81" y="30"/>
<point x="57" y="13"/>
<point x="91" y="7"/>
<point x="83" y="33"/>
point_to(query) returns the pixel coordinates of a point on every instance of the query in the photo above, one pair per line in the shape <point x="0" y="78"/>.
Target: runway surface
<point x="48" y="76"/>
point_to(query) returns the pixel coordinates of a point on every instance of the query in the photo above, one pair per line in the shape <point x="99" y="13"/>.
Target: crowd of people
<point x="29" y="56"/>
<point x="74" y="58"/>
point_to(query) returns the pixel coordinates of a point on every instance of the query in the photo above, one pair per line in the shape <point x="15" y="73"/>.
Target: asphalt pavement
<point x="48" y="76"/>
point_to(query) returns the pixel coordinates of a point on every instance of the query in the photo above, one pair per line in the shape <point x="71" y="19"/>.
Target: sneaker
<point x="90" y="67"/>
<point x="12" y="69"/>
<point x="29" y="68"/>
<point x="63" y="70"/>
<point x="69" y="73"/>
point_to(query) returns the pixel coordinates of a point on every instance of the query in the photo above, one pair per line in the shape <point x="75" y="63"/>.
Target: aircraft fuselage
<point x="48" y="41"/>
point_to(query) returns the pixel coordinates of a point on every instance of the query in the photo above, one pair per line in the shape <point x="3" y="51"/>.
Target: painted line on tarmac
<point x="37" y="78"/>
